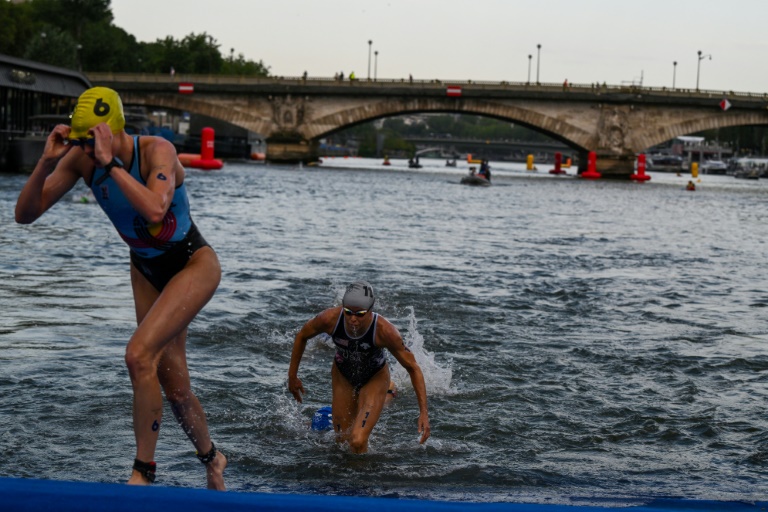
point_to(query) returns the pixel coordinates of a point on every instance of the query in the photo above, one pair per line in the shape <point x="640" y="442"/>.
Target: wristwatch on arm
<point x="115" y="162"/>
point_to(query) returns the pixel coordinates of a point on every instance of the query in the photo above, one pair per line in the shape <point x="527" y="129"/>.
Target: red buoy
<point x="558" y="164"/>
<point x="206" y="160"/>
<point x="640" y="174"/>
<point x="591" y="172"/>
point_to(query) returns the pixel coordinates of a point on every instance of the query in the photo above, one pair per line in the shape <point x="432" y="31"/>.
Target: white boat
<point x="713" y="167"/>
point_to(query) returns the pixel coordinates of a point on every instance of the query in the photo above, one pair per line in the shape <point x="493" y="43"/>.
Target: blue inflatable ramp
<point x="26" y="495"/>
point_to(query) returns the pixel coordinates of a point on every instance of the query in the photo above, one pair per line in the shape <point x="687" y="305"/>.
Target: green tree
<point x="203" y="54"/>
<point x="72" y="15"/>
<point x="17" y="27"/>
<point x="52" y="46"/>
<point x="106" y="47"/>
<point x="196" y="53"/>
<point x="241" y="66"/>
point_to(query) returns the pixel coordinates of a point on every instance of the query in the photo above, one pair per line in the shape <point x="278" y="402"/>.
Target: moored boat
<point x="713" y="167"/>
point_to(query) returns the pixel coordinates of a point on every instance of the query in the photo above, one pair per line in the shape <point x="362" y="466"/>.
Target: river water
<point x="580" y="339"/>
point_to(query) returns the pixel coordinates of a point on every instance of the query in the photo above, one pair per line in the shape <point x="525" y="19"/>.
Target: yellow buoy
<point x="694" y="169"/>
<point x="529" y="163"/>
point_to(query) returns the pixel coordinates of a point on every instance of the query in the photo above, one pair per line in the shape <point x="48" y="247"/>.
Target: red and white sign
<point x="186" y="88"/>
<point x="453" y="91"/>
<point x="725" y="104"/>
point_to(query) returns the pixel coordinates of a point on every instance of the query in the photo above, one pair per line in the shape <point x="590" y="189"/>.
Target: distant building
<point x="33" y="98"/>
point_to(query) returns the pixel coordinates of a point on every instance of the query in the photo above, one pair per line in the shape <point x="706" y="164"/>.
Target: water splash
<point x="437" y="377"/>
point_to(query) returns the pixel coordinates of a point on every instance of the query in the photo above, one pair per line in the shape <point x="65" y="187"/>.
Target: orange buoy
<point x="186" y="158"/>
<point x="591" y="172"/>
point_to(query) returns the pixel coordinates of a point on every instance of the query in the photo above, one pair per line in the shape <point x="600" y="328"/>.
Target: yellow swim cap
<point x="97" y="105"/>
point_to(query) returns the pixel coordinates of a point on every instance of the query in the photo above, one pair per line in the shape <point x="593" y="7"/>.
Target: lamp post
<point x="79" y="49"/>
<point x="538" y="55"/>
<point x="529" y="68"/>
<point x="375" y="64"/>
<point x="369" y="59"/>
<point x="674" y="73"/>
<point x="698" y="66"/>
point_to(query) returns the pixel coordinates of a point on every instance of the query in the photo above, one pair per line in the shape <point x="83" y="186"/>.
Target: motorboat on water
<point x="414" y="163"/>
<point x="750" y="167"/>
<point x="747" y="174"/>
<point x="475" y="180"/>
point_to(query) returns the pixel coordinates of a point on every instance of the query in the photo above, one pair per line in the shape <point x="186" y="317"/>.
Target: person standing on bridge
<point x="359" y="374"/>
<point x="139" y="183"/>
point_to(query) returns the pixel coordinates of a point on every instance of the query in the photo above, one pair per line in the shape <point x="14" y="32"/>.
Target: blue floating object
<point x="322" y="419"/>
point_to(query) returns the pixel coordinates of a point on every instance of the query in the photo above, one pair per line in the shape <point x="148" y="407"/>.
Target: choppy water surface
<point x="578" y="338"/>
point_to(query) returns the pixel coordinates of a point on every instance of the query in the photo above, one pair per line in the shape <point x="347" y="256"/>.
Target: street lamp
<point x="375" y="64"/>
<point x="698" y="66"/>
<point x="78" y="50"/>
<point x="538" y="55"/>
<point x="369" y="59"/>
<point x="674" y="73"/>
<point x="529" y="68"/>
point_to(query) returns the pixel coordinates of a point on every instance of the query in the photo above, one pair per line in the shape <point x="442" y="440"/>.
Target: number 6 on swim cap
<point x="94" y="106"/>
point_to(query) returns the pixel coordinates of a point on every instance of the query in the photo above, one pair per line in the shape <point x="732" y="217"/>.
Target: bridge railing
<point x="595" y="88"/>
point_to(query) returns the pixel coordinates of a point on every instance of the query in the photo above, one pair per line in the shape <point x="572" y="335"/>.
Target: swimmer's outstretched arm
<point x="323" y="322"/>
<point x="387" y="336"/>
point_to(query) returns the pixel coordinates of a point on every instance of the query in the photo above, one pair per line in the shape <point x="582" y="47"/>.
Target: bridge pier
<point x="292" y="151"/>
<point x="616" y="166"/>
<point x="611" y="166"/>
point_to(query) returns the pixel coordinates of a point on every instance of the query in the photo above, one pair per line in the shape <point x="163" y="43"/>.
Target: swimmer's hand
<point x="57" y="145"/>
<point x="295" y="387"/>
<point x="424" y="427"/>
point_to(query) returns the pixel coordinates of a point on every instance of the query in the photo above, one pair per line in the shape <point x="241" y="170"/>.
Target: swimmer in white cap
<point x="139" y="183"/>
<point x="359" y="374"/>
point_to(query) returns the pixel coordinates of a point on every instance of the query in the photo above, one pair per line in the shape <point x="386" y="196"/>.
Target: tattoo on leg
<point x="366" y="418"/>
<point x="155" y="426"/>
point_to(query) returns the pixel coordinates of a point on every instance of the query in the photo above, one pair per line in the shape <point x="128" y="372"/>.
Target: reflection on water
<point x="578" y="338"/>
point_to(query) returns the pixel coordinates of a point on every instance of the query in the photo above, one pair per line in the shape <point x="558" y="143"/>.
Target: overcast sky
<point x="584" y="41"/>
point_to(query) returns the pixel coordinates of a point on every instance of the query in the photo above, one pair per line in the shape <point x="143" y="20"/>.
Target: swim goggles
<point x="360" y="313"/>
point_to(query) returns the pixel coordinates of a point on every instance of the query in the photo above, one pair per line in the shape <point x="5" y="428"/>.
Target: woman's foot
<point x="143" y="473"/>
<point x="138" y="479"/>
<point x="214" y="472"/>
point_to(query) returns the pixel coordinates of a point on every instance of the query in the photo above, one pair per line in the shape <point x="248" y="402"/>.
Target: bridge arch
<point x="555" y="128"/>
<point x="687" y="127"/>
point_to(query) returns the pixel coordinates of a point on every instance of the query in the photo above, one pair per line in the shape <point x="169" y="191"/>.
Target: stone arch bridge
<point x="616" y="122"/>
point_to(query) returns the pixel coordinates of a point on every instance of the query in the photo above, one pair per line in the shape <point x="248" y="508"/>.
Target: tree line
<point x="80" y="35"/>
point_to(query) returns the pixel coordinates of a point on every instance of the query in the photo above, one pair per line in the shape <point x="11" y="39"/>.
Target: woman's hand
<point x="296" y="387"/>
<point x="103" y="148"/>
<point x="56" y="145"/>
